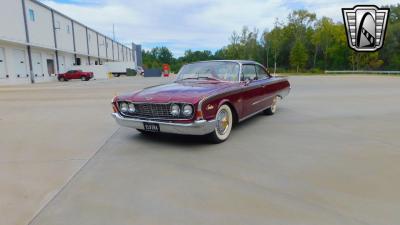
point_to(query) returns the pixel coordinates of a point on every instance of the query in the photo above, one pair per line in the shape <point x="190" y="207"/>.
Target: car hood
<point x="189" y="92"/>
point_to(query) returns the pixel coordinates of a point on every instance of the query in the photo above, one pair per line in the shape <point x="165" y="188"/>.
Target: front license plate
<point x="152" y="127"/>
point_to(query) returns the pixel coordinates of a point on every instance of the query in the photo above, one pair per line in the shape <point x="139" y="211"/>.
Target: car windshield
<point x="225" y="71"/>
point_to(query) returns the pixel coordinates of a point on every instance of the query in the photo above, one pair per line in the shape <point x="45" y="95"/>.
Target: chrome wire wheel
<point x="272" y="109"/>
<point x="274" y="105"/>
<point x="224" y="122"/>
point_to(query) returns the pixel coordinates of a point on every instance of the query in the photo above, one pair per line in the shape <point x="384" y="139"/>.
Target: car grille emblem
<point x="366" y="27"/>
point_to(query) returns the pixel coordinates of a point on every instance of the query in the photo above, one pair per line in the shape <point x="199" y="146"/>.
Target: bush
<point x="131" y="72"/>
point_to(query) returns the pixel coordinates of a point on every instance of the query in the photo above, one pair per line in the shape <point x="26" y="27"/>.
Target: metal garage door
<point x="61" y="62"/>
<point x="2" y="64"/>
<point x="20" y="63"/>
<point x="37" y="64"/>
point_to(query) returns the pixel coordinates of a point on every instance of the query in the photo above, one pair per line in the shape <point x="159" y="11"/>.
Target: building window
<point x="68" y="30"/>
<point x="58" y="25"/>
<point x="32" y="15"/>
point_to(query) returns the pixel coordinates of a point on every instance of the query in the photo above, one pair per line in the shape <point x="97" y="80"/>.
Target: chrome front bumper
<point x="199" y="127"/>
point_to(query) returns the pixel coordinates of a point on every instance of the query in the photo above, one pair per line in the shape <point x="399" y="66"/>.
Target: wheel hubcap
<point x="222" y="122"/>
<point x="274" y="104"/>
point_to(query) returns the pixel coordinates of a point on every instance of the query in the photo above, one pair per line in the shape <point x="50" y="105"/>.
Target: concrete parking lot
<point x="331" y="155"/>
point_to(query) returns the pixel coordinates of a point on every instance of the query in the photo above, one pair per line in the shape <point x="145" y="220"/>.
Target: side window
<point x="261" y="73"/>
<point x="249" y="72"/>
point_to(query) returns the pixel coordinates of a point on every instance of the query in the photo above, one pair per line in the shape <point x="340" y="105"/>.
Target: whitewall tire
<point x="223" y="124"/>
<point x="272" y="110"/>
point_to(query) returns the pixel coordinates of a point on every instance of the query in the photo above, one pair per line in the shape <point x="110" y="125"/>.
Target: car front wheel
<point x="223" y="126"/>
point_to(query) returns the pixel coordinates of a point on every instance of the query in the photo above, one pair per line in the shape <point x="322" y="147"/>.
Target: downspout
<point x="27" y="41"/>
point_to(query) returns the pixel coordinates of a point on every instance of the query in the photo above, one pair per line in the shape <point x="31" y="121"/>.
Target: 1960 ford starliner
<point x="207" y="98"/>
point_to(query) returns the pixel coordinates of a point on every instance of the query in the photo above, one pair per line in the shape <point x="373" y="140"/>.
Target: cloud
<point x="190" y="24"/>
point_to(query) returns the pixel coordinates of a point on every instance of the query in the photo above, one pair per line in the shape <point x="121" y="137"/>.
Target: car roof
<point x="235" y="61"/>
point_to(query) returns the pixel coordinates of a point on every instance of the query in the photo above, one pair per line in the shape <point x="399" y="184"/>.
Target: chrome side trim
<point x="261" y="100"/>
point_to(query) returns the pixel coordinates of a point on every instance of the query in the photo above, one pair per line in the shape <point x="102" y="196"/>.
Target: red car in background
<point x="75" y="74"/>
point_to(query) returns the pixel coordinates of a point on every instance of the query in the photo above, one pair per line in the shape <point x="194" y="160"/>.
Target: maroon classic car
<point x="207" y="98"/>
<point x="75" y="74"/>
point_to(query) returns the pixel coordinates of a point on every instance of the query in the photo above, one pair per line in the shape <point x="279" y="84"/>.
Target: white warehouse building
<point x="37" y="42"/>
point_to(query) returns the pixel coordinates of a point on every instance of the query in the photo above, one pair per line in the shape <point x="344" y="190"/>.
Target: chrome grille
<point x="153" y="110"/>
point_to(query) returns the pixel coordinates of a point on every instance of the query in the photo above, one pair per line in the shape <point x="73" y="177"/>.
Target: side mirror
<point x="247" y="81"/>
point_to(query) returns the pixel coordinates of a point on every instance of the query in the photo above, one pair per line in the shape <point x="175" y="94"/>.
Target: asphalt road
<point x="331" y="155"/>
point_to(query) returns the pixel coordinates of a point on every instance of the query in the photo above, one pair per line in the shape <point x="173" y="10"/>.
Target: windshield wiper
<point x="208" y="78"/>
<point x="197" y="78"/>
<point x="188" y="78"/>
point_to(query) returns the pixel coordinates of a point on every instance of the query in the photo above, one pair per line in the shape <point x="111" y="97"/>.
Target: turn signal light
<point x="113" y="102"/>
<point x="199" y="115"/>
<point x="114" y="108"/>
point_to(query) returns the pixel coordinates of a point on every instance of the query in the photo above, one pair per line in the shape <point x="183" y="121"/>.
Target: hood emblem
<point x="210" y="107"/>
<point x="148" y="98"/>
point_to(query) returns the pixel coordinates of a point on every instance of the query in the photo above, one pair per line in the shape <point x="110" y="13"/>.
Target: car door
<point x="67" y="75"/>
<point x="267" y="87"/>
<point x="253" y="90"/>
<point x="71" y="74"/>
<point x="77" y="74"/>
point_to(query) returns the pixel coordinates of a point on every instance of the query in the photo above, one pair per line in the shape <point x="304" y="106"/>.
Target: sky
<point x="190" y="24"/>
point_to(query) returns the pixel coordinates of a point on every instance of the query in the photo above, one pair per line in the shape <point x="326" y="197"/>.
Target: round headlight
<point x="123" y="107"/>
<point x="131" y="108"/>
<point x="175" y="110"/>
<point x="187" y="110"/>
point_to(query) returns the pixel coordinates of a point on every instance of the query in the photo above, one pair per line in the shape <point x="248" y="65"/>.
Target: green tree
<point x="323" y="38"/>
<point x="390" y="52"/>
<point x="298" y="56"/>
<point x="274" y="41"/>
<point x="302" y="42"/>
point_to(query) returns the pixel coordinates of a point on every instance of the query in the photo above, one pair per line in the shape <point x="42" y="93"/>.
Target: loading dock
<point x="20" y="63"/>
<point x="37" y="64"/>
